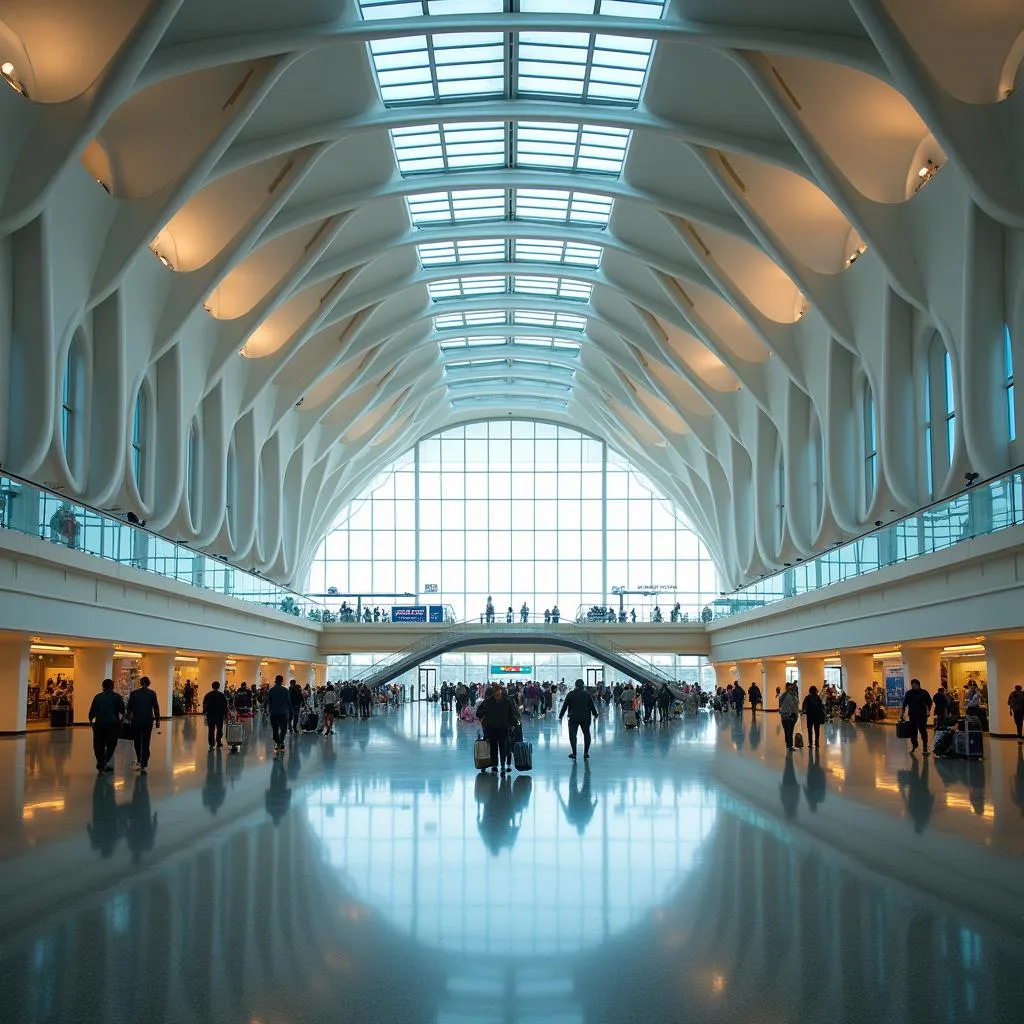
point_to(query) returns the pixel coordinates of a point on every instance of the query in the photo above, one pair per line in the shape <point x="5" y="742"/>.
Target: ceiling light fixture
<point x="186" y="660"/>
<point x="127" y="654"/>
<point x="925" y="173"/>
<point x="856" y="254"/>
<point x="49" y="649"/>
<point x="163" y="259"/>
<point x="10" y="75"/>
<point x="962" y="648"/>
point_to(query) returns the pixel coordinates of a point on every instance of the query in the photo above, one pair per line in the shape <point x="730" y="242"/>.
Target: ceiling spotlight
<point x="878" y="522"/>
<point x="10" y="75"/>
<point x="163" y="259"/>
<point x="925" y="173"/>
<point x="856" y="254"/>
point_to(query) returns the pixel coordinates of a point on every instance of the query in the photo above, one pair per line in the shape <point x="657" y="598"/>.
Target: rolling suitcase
<point x="629" y="719"/>
<point x="967" y="741"/>
<point x="234" y="736"/>
<point x="798" y="740"/>
<point x="904" y="730"/>
<point x="942" y="744"/>
<point x="522" y="756"/>
<point x="482" y="754"/>
<point x="309" y="722"/>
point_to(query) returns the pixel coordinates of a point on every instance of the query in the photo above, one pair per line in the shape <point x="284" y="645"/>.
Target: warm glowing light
<point x="28" y="812"/>
<point x="879" y="655"/>
<point x="961" y="648"/>
<point x="888" y="787"/>
<point x="184" y="769"/>
<point x="718" y="983"/>
<point x="186" y="659"/>
<point x="230" y="661"/>
<point x="839" y="772"/>
<point x="7" y="68"/>
<point x="49" y="649"/>
<point x="127" y="654"/>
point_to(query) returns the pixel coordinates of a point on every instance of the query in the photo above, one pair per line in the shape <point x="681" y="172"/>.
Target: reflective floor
<point x="690" y="872"/>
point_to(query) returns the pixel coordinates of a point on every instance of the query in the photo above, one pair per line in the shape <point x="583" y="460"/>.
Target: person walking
<point x="144" y="713"/>
<point x="105" y="715"/>
<point x="580" y="707"/>
<point x="940" y="706"/>
<point x="755" y="698"/>
<point x="738" y="694"/>
<point x="789" y="712"/>
<point x="917" y="703"/>
<point x="295" y="696"/>
<point x="497" y="715"/>
<point x="647" y="697"/>
<point x="814" y="716"/>
<point x="524" y="613"/>
<point x="330" y="707"/>
<point x="279" y="707"/>
<point x="1015" y="702"/>
<point x="215" y="710"/>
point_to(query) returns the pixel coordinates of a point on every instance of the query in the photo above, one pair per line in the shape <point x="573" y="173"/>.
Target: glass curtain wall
<point x="520" y="511"/>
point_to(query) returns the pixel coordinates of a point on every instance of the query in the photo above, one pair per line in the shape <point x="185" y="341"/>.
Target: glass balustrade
<point x="982" y="509"/>
<point x="36" y="512"/>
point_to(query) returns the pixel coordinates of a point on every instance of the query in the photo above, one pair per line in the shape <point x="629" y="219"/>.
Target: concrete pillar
<point x="213" y="666"/>
<point x="14" y="657"/>
<point x="773" y="674"/>
<point x="318" y="673"/>
<point x="1004" y="671"/>
<point x="92" y="666"/>
<point x="273" y="669"/>
<point x="724" y="673"/>
<point x="160" y="669"/>
<point x="810" y="672"/>
<point x="924" y="663"/>
<point x="857" y="672"/>
<point x="245" y="668"/>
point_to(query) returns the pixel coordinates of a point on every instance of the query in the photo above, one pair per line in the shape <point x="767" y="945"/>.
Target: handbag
<point x="127" y="732"/>
<point x="904" y="730"/>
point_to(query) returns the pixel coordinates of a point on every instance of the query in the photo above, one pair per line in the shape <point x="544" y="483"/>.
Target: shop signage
<point x="511" y="670"/>
<point x="655" y="588"/>
<point x="894" y="687"/>
<point x="409" y="613"/>
<point x="435" y="613"/>
<point x="429" y="588"/>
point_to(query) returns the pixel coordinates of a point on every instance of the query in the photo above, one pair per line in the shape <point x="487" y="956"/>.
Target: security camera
<point x="969" y="478"/>
<point x="878" y="522"/>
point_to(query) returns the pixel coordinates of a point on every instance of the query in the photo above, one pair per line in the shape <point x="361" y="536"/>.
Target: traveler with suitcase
<point x="215" y="710"/>
<point x="580" y="707"/>
<point x="498" y="715"/>
<point x="789" y="712"/>
<point x="917" y="704"/>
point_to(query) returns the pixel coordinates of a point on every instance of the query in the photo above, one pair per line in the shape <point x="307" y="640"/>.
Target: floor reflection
<point x="688" y="871"/>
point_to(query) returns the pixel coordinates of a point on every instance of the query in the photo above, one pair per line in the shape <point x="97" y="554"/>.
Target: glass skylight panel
<point x="553" y="287"/>
<point x="467" y="287"/>
<point x="528" y="383"/>
<point x="549" y="250"/>
<point x="546" y="341"/>
<point x="464" y="205"/>
<point x="468" y="364"/>
<point x="458" y="146"/>
<point x="552" y="145"/>
<point x="537" y="401"/>
<point x="463" y="342"/>
<point x="436" y="68"/>
<point x="379" y="10"/>
<point x="469" y="318"/>
<point x="473" y="250"/>
<point x="651" y="9"/>
<point x="563" y="206"/>
<point x="549" y="318"/>
<point x="580" y="66"/>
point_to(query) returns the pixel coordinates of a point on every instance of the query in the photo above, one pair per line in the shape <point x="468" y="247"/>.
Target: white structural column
<point x="811" y="672"/>
<point x="748" y="672"/>
<point x="272" y="669"/>
<point x="924" y="662"/>
<point x="773" y="672"/>
<point x="159" y="668"/>
<point x="14" y="657"/>
<point x="92" y="666"/>
<point x="214" y="666"/>
<point x="857" y="670"/>
<point x="724" y="673"/>
<point x="318" y="673"/>
<point x="247" y="669"/>
<point x="1005" y="669"/>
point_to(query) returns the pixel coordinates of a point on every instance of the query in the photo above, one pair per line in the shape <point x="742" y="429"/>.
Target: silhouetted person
<point x="814" y="716"/>
<point x="917" y="703"/>
<point x="144" y="713"/>
<point x="295" y="695"/>
<point x="105" y="828"/>
<point x="789" y="788"/>
<point x="580" y="807"/>
<point x="105" y="716"/>
<point x="755" y="698"/>
<point x="140" y="821"/>
<point x="580" y="707"/>
<point x="279" y="708"/>
<point x="279" y="796"/>
<point x="913" y="785"/>
<point x="214" y="790"/>
<point x="215" y="710"/>
<point x="814" y="788"/>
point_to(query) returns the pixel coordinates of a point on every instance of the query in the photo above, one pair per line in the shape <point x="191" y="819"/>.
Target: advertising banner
<point x="894" y="687"/>
<point x="409" y="613"/>
<point x="511" y="670"/>
<point x="435" y="613"/>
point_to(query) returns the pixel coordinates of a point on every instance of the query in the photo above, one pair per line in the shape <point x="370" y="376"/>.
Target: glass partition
<point x="982" y="509"/>
<point x="35" y="512"/>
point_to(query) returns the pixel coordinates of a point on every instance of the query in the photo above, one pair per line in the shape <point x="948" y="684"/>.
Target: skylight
<point x="470" y="318"/>
<point x="563" y="206"/>
<point x="462" y="343"/>
<point x="549" y="318"/>
<point x="558" y="146"/>
<point x="474" y="250"/>
<point x="480" y="341"/>
<point x="510" y="380"/>
<point x="509" y="250"/>
<point x="459" y="146"/>
<point x="514" y="284"/>
<point x="511" y="398"/>
<point x="587" y="67"/>
<point x="377" y="10"/>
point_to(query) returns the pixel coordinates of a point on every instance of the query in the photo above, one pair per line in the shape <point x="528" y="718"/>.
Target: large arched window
<point x="72" y="421"/>
<point x="140" y="436"/>
<point x="193" y="474"/>
<point x="869" y="442"/>
<point x="1011" y="414"/>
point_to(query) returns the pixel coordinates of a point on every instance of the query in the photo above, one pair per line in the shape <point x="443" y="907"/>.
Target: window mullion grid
<point x="588" y="69"/>
<point x="579" y="147"/>
<point x="434" y="84"/>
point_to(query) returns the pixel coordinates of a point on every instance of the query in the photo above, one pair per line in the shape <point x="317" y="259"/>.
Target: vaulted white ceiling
<point x="315" y="232"/>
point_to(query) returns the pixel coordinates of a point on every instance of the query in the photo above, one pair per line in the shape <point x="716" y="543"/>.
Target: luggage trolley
<point x="235" y="733"/>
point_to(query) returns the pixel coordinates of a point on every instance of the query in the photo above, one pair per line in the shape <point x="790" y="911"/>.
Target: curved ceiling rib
<point x="327" y="228"/>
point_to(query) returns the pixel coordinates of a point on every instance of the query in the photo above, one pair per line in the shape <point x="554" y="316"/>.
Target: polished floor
<point x="689" y="872"/>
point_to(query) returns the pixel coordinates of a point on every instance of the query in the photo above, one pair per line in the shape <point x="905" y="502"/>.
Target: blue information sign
<point x="409" y="613"/>
<point x="435" y="613"/>
<point x="894" y="688"/>
<point x="511" y="670"/>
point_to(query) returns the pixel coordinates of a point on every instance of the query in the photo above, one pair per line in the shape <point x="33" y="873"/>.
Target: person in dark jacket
<point x="814" y="714"/>
<point x="279" y="708"/>
<point x="295" y="695"/>
<point x="105" y="715"/>
<point x="144" y="712"/>
<point x="738" y="694"/>
<point x="755" y="698"/>
<point x="580" y="707"/>
<point x="498" y="715"/>
<point x="215" y="710"/>
<point x="917" y="703"/>
<point x="940" y="705"/>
